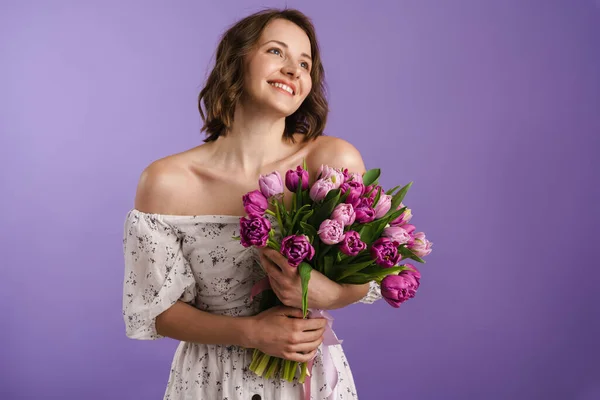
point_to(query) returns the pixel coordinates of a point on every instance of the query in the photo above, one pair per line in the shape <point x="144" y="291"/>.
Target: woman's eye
<point x="305" y="65"/>
<point x="275" y="51"/>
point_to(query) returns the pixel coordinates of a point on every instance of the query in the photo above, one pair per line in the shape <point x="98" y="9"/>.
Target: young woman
<point x="264" y="109"/>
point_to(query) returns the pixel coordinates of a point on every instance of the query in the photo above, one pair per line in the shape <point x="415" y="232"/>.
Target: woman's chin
<point x="282" y="110"/>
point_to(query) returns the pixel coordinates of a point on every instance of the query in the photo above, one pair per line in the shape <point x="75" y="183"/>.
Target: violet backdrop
<point x="492" y="108"/>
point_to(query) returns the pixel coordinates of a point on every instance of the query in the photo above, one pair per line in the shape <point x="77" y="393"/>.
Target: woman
<point x="264" y="109"/>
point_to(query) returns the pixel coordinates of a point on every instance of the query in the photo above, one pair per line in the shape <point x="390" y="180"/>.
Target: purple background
<point x="492" y="108"/>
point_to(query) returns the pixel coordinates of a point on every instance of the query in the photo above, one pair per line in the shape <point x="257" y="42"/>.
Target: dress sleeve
<point x="156" y="273"/>
<point x="372" y="295"/>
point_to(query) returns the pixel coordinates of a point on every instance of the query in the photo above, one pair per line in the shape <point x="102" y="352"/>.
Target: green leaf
<point x="356" y="279"/>
<point x="361" y="278"/>
<point x="344" y="196"/>
<point x="393" y="214"/>
<point x="407" y="253"/>
<point x="308" y="214"/>
<point x="367" y="233"/>
<point x="345" y="270"/>
<point x="371" y="176"/>
<point x="325" y="210"/>
<point x="308" y="230"/>
<point x="377" y="196"/>
<point x="297" y="215"/>
<point x="327" y="265"/>
<point x="398" y="197"/>
<point x="392" y="190"/>
<point x="386" y="271"/>
<point x="304" y="269"/>
<point x="331" y="194"/>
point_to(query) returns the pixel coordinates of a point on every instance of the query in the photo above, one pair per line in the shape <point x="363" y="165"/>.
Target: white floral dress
<point x="194" y="259"/>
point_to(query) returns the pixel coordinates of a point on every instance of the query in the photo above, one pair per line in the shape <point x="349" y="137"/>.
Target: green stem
<point x="303" y="372"/>
<point x="286" y="370"/>
<point x="273" y="244"/>
<point x="262" y="365"/>
<point x="278" y="215"/>
<point x="255" y="358"/>
<point x="294" y="209"/>
<point x="274" y="363"/>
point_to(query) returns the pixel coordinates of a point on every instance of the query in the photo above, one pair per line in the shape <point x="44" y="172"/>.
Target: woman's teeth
<point x="282" y="86"/>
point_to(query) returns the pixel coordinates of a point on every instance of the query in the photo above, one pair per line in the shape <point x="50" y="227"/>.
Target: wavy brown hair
<point x="225" y="83"/>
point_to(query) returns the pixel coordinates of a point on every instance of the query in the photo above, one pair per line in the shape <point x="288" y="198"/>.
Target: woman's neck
<point x="255" y="141"/>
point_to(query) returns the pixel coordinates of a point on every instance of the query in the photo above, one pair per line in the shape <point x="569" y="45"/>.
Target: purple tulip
<point x="331" y="231"/>
<point x="364" y="212"/>
<point x="292" y="178"/>
<point x="296" y="248"/>
<point x="255" y="203"/>
<point x="396" y="289"/>
<point x="254" y="230"/>
<point x="385" y="252"/>
<point x="352" y="245"/>
<point x="271" y="185"/>
<point x="356" y="191"/>
<point x="371" y="192"/>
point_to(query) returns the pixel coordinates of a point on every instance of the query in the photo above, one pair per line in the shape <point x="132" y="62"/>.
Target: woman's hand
<point x="282" y="332"/>
<point x="323" y="293"/>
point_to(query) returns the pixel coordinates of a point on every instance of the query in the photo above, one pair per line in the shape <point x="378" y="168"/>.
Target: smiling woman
<point x="185" y="276"/>
<point x="278" y="48"/>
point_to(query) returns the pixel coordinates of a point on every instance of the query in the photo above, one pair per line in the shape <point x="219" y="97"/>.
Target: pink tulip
<point x="344" y="214"/>
<point x="271" y="185"/>
<point x="320" y="188"/>
<point x="331" y="231"/>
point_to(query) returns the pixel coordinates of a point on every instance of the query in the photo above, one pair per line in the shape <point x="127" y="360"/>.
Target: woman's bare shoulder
<point x="334" y="152"/>
<point x="163" y="183"/>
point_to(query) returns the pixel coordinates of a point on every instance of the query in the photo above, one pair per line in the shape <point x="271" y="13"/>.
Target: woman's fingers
<point x="307" y="347"/>
<point x="270" y="267"/>
<point x="311" y="336"/>
<point x="279" y="259"/>
<point x="301" y="358"/>
<point x="313" y="323"/>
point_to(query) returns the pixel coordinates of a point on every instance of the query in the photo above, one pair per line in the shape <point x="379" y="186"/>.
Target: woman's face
<point x="277" y="74"/>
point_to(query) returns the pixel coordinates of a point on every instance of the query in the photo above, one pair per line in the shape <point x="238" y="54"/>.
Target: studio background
<point x="491" y="108"/>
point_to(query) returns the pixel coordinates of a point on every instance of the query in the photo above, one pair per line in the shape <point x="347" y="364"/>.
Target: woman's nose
<point x="291" y="70"/>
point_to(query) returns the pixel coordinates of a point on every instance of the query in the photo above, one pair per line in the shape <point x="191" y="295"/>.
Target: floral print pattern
<point x="196" y="260"/>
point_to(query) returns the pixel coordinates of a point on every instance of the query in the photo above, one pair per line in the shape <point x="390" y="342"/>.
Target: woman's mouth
<point x="282" y="86"/>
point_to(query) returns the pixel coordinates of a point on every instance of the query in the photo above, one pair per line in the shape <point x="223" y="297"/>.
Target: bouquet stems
<point x="268" y="367"/>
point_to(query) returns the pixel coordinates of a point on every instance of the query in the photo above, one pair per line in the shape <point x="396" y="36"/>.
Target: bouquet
<point x="343" y="226"/>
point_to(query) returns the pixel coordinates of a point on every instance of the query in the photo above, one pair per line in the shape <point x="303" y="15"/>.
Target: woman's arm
<point x="350" y="294"/>
<point x="186" y="323"/>
<point x="159" y="285"/>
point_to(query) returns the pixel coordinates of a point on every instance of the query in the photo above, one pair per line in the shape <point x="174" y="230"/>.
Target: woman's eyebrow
<point x="282" y="44"/>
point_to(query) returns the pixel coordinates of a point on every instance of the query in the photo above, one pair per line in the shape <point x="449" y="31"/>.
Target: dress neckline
<point x="202" y="217"/>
